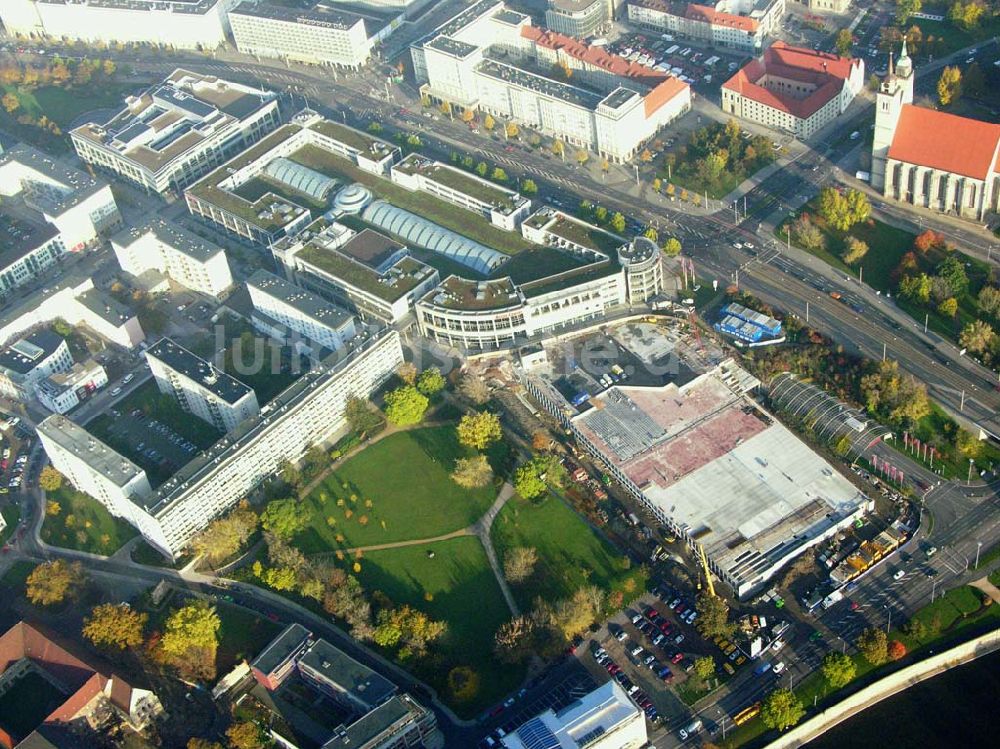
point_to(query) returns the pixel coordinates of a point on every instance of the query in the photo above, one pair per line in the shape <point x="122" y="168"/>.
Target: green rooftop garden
<point x="349" y="136"/>
<point x="362" y="277"/>
<point x="586" y="236"/>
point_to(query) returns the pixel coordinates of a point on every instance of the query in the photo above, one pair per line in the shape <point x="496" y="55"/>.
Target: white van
<point x="673" y="48"/>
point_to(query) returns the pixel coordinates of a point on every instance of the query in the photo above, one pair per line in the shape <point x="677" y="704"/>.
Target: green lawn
<point x="12" y="515"/>
<point x="952" y="38"/>
<point x="406" y="478"/>
<point x="570" y="553"/>
<point x="84" y="524"/>
<point x="464" y="593"/>
<point x="62" y="106"/>
<point x="242" y="636"/>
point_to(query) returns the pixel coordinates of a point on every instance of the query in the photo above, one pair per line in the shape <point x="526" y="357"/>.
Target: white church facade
<point x="932" y="159"/>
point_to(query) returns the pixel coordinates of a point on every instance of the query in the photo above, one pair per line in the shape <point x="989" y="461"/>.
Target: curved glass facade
<point x="301" y="178"/>
<point x="423" y="233"/>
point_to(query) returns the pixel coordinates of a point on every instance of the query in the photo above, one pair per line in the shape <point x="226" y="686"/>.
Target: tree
<point x="408" y="627"/>
<point x="646" y="156"/>
<point x="430" y="382"/>
<point x="657" y="184"/>
<point x="949" y="85"/>
<point x="52" y="508"/>
<point x="197" y="743"/>
<point x="498" y="175"/>
<point x="512" y="641"/>
<point x="854" y="250"/>
<point x="474" y="388"/>
<point x="952" y="271"/>
<point x="362" y="416"/>
<point x="928" y="240"/>
<point x="527" y="483"/>
<point x="50" y="479"/>
<point x="479" y="430"/>
<point x="873" y="645"/>
<point x="672" y="247"/>
<point x="482" y="168"/>
<point x="247" y="735"/>
<point x="284" y="518"/>
<point x="226" y="535"/>
<point x="781" y="709"/>
<point x="948" y="307"/>
<point x="897" y="398"/>
<point x="468" y="115"/>
<point x="463" y="683"/>
<point x="840" y="210"/>
<point x="10" y="102"/>
<point x="973" y="81"/>
<point x="511" y="129"/>
<point x="989" y="300"/>
<point x="528" y="187"/>
<point x="190" y="640"/>
<point x="966" y="15"/>
<point x="844" y="41"/>
<point x="977" y="336"/>
<point x="519" y="563"/>
<point x="713" y="617"/>
<point x="53" y="582"/>
<point x="704" y="667"/>
<point x="916" y="288"/>
<point x="405" y="405"/>
<point x="472" y="473"/>
<point x="116" y="626"/>
<point x="897" y="650"/>
<point x="905" y="9"/>
<point x="407" y="372"/>
<point x="806" y="233"/>
<point x="559" y="149"/>
<point x="618" y="222"/>
<point x="651" y="234"/>
<point x="838" y="669"/>
<point x="582" y="157"/>
<point x="488" y="122"/>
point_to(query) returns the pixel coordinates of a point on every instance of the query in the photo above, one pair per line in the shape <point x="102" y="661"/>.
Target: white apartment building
<point x="319" y="36"/>
<point x="95" y="469"/>
<point x="504" y="208"/>
<point x="270" y="217"/>
<point x="63" y="391"/>
<point x="603" y="719"/>
<point x="166" y="247"/>
<point x="201" y="388"/>
<point x="794" y="89"/>
<point x="178" y="130"/>
<point x="30" y="360"/>
<point x="735" y="24"/>
<point x="366" y="272"/>
<point x="49" y="209"/>
<point x="185" y="24"/>
<point x="281" y="306"/>
<point x="494" y="60"/>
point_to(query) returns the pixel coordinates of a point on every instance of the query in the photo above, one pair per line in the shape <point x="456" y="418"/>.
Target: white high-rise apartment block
<point x="603" y="719"/>
<point x="168" y="248"/>
<point x="279" y="303"/>
<point x="49" y="209"/>
<point x="309" y="412"/>
<point x="95" y="469"/>
<point x="318" y="36"/>
<point x="200" y="387"/>
<point x="186" y="24"/>
<point x="178" y="130"/>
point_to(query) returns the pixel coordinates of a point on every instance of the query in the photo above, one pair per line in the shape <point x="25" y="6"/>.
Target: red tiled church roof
<point x="826" y="71"/>
<point x="946" y="141"/>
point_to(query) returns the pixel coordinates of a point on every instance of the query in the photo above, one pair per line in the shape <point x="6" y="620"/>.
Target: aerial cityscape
<point x="499" y="374"/>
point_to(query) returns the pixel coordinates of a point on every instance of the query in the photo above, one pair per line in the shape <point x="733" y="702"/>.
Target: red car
<point x="613" y="668"/>
<point x="652" y="613"/>
<point x="677" y="658"/>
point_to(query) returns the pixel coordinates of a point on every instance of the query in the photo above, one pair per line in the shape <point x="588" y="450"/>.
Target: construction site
<point x="676" y="425"/>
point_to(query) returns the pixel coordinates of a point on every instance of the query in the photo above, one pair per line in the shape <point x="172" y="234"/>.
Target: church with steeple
<point x="932" y="159"/>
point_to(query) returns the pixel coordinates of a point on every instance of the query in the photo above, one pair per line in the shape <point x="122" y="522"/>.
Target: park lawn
<point x="63" y="105"/>
<point x="83" y="524"/>
<point x="953" y="38"/>
<point x="685" y="179"/>
<point x="406" y="478"/>
<point x="243" y="636"/>
<point x="465" y="594"/>
<point x="12" y="516"/>
<point x="570" y="553"/>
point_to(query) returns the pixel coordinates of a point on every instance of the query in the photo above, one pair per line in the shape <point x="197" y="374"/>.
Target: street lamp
<point x="979" y="545"/>
<point x="888" y="622"/>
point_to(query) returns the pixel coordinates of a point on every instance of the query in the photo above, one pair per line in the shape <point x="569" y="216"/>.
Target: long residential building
<point x="794" y="89"/>
<point x="735" y="24"/>
<point x="321" y="35"/>
<point x="199" y="387"/>
<point x="178" y="130"/>
<point x="307" y="413"/>
<point x="48" y="209"/>
<point x="492" y="59"/>
<point x="166" y="247"/>
<point x="186" y="24"/>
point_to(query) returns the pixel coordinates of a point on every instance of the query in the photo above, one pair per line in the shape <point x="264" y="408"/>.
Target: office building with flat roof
<point x="30" y="360"/>
<point x="177" y="131"/>
<point x="200" y="387"/>
<point x="186" y="24"/>
<point x="166" y="247"/>
<point x="603" y="719"/>
<point x="579" y="18"/>
<point x="321" y="35"/>
<point x="280" y="306"/>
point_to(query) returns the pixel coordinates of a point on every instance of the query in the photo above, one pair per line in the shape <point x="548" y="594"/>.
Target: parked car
<point x="779" y="667"/>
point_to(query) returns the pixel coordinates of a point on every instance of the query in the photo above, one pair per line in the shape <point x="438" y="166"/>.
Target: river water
<point x="956" y="709"/>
